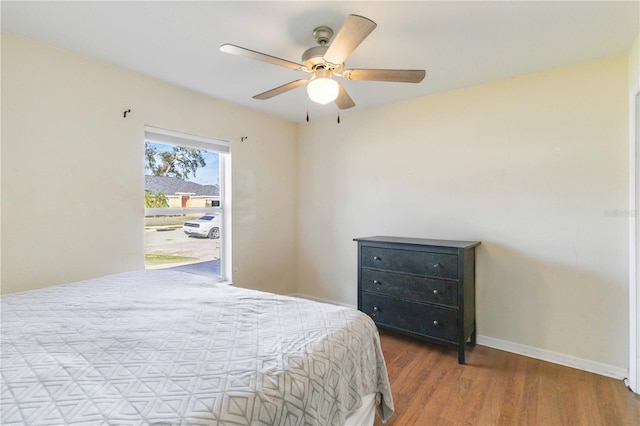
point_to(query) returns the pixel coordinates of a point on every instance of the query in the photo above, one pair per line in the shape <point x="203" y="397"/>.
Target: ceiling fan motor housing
<point x="314" y="58"/>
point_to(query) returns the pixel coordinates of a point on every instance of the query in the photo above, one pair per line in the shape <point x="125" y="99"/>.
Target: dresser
<point x="420" y="287"/>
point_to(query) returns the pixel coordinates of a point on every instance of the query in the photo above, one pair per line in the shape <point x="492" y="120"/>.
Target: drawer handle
<point x="435" y="291"/>
<point x="377" y="282"/>
<point x="377" y="258"/>
<point x="436" y="265"/>
<point x="375" y="311"/>
<point x="436" y="323"/>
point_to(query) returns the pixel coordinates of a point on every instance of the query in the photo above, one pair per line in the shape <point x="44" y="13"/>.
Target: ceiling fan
<point x="324" y="62"/>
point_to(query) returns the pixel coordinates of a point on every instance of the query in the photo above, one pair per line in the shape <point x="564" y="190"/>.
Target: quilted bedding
<point x="167" y="347"/>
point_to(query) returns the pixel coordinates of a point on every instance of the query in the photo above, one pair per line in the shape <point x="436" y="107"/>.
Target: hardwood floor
<point x="497" y="388"/>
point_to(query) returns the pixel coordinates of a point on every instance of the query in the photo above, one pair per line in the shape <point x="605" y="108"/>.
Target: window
<point x="185" y="200"/>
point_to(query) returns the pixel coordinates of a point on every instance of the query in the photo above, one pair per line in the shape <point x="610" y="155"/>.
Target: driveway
<point x="173" y="241"/>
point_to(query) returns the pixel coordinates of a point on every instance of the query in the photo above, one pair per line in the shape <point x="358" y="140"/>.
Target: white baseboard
<point x="554" y="357"/>
<point x="317" y="299"/>
<point x="520" y="349"/>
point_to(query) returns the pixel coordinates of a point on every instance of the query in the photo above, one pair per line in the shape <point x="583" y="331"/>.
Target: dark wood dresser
<point x="419" y="287"/>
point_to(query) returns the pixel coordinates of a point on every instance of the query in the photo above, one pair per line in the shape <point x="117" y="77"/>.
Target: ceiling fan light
<point x="323" y="90"/>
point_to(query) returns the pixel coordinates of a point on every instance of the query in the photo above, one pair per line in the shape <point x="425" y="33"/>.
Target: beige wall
<point x="535" y="167"/>
<point x="65" y="143"/>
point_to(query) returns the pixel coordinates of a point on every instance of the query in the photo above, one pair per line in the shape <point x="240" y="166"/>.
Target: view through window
<point x="184" y="199"/>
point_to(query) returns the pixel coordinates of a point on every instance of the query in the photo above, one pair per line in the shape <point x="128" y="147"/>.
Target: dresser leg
<point x="461" y="354"/>
<point x="473" y="336"/>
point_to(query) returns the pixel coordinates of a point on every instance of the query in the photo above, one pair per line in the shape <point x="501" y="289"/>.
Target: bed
<point x="169" y="347"/>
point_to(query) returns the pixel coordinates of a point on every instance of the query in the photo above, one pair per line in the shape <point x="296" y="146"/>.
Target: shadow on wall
<point x="547" y="305"/>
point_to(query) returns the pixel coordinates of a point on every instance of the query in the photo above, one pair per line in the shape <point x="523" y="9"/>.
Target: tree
<point x="155" y="199"/>
<point x="180" y="162"/>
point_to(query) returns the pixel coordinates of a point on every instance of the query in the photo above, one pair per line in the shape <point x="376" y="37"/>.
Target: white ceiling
<point x="458" y="43"/>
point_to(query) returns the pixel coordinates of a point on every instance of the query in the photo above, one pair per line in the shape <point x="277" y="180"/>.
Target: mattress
<point x="168" y="347"/>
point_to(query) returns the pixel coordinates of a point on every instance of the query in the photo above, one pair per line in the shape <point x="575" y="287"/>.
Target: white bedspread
<point x="168" y="347"/>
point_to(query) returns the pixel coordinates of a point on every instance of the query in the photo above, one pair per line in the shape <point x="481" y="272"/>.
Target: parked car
<point x="205" y="226"/>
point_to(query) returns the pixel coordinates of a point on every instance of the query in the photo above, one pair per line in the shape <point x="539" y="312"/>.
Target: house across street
<point x="182" y="193"/>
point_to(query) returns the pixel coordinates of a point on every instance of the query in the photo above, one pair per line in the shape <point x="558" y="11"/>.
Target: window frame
<point x="222" y="148"/>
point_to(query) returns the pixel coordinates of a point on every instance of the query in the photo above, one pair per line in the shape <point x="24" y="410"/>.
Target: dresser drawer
<point x="427" y="320"/>
<point x="410" y="287"/>
<point x="409" y="261"/>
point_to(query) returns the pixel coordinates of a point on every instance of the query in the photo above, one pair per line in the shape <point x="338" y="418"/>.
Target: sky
<point x="208" y="175"/>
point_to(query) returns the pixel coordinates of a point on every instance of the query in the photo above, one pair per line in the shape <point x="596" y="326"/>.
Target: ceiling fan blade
<point x="280" y="90"/>
<point x="402" y="76"/>
<point x="352" y="33"/>
<point x="343" y="100"/>
<point x="241" y="51"/>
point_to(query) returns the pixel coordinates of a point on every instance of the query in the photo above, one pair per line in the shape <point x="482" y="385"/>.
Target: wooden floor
<point x="497" y="388"/>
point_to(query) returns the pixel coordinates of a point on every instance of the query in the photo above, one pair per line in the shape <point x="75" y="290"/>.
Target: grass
<point x="159" y="259"/>
<point x="176" y="221"/>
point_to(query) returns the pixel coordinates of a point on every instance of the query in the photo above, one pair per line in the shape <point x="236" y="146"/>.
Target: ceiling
<point x="458" y="43"/>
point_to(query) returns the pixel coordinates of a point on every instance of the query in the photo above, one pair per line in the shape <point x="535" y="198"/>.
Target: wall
<point x="68" y="153"/>
<point x="535" y="167"/>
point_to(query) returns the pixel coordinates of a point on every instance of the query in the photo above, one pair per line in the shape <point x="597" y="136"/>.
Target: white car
<point x="205" y="226"/>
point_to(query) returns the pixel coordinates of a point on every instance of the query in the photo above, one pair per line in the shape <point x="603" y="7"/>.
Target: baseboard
<point x="520" y="349"/>
<point x="554" y="357"/>
<point x="317" y="299"/>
